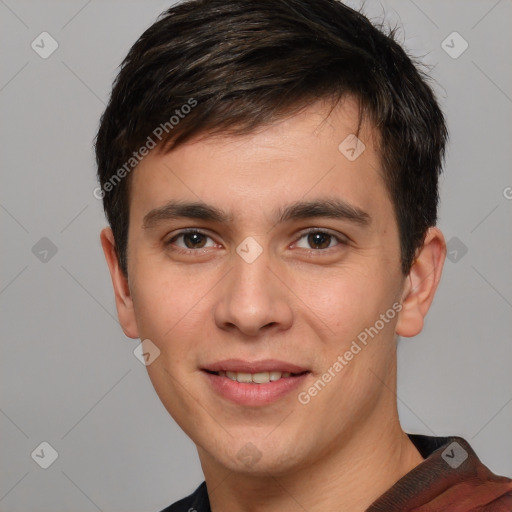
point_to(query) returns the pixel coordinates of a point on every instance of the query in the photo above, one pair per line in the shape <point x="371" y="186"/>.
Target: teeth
<point x="255" y="378"/>
<point x="261" y="378"/>
<point x="275" y="376"/>
<point x="244" y="377"/>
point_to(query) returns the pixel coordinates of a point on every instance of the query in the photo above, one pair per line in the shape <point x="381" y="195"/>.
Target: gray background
<point x="68" y="374"/>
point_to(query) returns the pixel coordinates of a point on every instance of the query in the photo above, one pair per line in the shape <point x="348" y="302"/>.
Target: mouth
<point x="256" y="378"/>
<point x="254" y="383"/>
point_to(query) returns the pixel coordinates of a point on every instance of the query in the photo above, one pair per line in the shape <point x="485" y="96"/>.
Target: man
<point x="269" y="171"/>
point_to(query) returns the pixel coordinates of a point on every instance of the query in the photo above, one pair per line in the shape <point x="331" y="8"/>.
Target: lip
<point x="254" y="394"/>
<point x="248" y="394"/>
<point x="265" y="365"/>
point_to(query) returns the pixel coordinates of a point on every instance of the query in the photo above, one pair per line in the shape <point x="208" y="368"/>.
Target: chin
<point x="263" y="467"/>
<point x="257" y="457"/>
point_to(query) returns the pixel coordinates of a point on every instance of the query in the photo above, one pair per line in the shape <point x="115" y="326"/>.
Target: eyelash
<point x="340" y="240"/>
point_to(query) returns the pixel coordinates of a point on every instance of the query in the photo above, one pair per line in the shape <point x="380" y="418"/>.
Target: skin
<point x="296" y="302"/>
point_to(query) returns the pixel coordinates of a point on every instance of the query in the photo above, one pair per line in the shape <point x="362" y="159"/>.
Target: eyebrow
<point x="329" y="208"/>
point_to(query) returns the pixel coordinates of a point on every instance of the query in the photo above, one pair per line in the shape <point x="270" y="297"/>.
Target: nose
<point x="252" y="299"/>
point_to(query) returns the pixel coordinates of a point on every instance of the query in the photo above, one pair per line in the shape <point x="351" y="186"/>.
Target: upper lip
<point x="265" y="365"/>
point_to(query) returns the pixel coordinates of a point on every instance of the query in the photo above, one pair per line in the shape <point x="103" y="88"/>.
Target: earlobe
<point x="421" y="284"/>
<point x="124" y="303"/>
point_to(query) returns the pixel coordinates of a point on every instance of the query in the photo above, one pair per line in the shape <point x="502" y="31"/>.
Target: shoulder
<point x="195" y="502"/>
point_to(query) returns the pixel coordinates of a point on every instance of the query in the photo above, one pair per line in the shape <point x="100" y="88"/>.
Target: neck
<point x="346" y="479"/>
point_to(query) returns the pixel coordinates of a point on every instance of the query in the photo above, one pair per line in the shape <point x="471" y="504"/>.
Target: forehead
<point x="313" y="153"/>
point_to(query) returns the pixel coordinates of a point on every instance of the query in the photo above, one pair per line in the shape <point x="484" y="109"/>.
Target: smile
<point x="257" y="378"/>
<point x="254" y="383"/>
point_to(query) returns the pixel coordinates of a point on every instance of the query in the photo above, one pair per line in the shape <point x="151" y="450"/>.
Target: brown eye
<point x="194" y="240"/>
<point x="190" y="240"/>
<point x="319" y="240"/>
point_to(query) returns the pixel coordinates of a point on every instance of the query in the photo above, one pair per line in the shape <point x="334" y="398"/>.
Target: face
<point x="288" y="258"/>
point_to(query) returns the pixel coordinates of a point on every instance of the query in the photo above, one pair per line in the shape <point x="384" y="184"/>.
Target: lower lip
<point x="254" y="394"/>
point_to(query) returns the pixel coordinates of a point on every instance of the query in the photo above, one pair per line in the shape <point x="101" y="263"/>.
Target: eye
<point x="190" y="240"/>
<point x="318" y="239"/>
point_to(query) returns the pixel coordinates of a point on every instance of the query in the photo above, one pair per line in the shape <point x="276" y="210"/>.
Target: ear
<point x="421" y="284"/>
<point x="124" y="304"/>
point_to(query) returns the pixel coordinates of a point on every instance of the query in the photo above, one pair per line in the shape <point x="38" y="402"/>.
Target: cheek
<point x="167" y="304"/>
<point x="342" y="302"/>
<point x="355" y="313"/>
